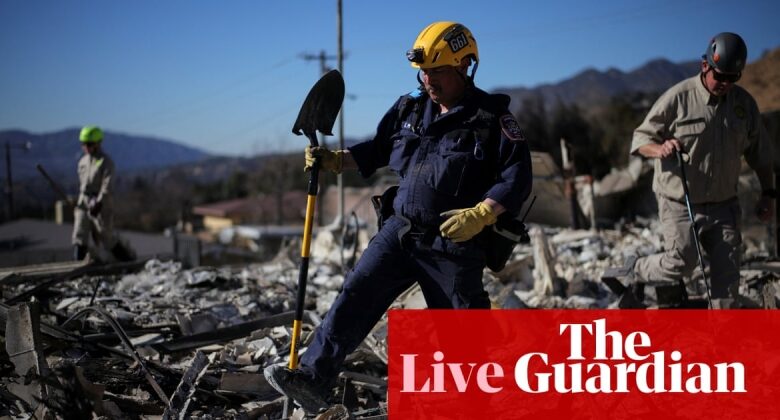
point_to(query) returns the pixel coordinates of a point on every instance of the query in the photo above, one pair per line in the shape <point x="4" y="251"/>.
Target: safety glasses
<point x="726" y="77"/>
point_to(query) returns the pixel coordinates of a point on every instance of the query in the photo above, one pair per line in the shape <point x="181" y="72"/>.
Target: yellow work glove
<point x="463" y="224"/>
<point x="329" y="160"/>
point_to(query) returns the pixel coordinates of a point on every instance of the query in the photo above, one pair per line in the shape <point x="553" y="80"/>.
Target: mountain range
<point x="592" y="88"/>
<point x="59" y="151"/>
<point x="762" y="79"/>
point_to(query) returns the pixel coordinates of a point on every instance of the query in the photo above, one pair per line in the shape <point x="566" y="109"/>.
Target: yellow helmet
<point x="443" y="44"/>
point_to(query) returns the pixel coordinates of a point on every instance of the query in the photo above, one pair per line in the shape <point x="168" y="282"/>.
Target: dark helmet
<point x="726" y="52"/>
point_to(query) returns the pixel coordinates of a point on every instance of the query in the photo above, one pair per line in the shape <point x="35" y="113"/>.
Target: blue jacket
<point x="449" y="161"/>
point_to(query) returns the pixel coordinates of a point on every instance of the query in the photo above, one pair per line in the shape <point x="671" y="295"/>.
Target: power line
<point x="201" y="102"/>
<point x="322" y="58"/>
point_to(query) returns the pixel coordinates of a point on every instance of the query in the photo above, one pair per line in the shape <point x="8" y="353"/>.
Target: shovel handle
<point x="318" y="113"/>
<point x="313" y="142"/>
<point x="303" y="274"/>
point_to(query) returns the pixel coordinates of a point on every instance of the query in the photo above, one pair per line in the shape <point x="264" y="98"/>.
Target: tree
<point x="533" y="120"/>
<point x="615" y="125"/>
<point x="586" y="152"/>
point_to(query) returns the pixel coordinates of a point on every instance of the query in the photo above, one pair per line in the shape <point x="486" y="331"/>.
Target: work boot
<point x="299" y="386"/>
<point x="622" y="282"/>
<point x="79" y="252"/>
<point x="612" y="276"/>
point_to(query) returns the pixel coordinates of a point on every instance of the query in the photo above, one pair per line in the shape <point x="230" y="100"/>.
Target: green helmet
<point x="727" y="53"/>
<point x="91" y="134"/>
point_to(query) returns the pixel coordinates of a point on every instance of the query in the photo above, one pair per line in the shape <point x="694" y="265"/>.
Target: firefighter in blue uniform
<point x="462" y="161"/>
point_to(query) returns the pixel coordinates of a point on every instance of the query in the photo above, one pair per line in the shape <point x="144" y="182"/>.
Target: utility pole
<point x="9" y="183"/>
<point x="340" y="55"/>
<point x="322" y="58"/>
<point x="9" y="192"/>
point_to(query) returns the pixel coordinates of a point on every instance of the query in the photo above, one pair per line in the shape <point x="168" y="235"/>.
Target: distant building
<point x="265" y="209"/>
<point x="357" y="200"/>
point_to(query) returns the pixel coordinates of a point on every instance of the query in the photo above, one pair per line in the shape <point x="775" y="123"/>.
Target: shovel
<point x="318" y="113"/>
<point x="695" y="230"/>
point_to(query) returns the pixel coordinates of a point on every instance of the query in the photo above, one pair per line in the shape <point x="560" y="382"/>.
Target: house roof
<point x="293" y="205"/>
<point x="225" y="208"/>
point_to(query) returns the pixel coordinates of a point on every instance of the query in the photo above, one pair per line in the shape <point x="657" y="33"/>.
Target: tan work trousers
<point x="100" y="227"/>
<point x="719" y="235"/>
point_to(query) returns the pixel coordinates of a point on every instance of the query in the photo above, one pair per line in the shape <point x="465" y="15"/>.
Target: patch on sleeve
<point x="511" y="128"/>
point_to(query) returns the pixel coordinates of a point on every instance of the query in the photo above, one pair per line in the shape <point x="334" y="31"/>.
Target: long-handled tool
<point x="55" y="186"/>
<point x="318" y="113"/>
<point x="694" y="228"/>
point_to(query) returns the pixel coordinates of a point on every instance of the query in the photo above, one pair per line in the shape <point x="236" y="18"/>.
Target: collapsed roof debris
<point x="155" y="340"/>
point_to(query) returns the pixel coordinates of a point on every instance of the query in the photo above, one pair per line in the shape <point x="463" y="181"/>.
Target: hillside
<point x="591" y="88"/>
<point x="762" y="79"/>
<point x="59" y="151"/>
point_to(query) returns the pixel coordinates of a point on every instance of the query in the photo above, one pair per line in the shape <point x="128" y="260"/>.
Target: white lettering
<point x="601" y="382"/>
<point x="521" y="374"/>
<point x="601" y="342"/>
<point x="575" y="342"/>
<point x="676" y="372"/>
<point x="631" y="345"/>
<point x="700" y="382"/>
<point x="738" y="370"/>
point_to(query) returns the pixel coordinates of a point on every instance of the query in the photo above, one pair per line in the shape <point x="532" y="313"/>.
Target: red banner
<point x="555" y="364"/>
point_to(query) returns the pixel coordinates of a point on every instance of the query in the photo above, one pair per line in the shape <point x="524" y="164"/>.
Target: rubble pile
<point x="230" y="322"/>
<point x="562" y="268"/>
<point x="164" y="341"/>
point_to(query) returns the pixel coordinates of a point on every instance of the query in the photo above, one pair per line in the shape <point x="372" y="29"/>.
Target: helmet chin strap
<point x="469" y="82"/>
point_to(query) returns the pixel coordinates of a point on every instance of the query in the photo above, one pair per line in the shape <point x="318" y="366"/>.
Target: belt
<point x="423" y="235"/>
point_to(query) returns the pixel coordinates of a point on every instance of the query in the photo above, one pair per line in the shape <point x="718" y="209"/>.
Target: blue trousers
<point x="449" y="274"/>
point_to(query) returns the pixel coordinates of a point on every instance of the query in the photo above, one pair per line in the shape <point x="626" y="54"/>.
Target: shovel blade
<point x="322" y="105"/>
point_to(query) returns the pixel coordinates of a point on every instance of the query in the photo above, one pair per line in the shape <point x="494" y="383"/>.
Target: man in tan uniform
<point x="94" y="211"/>
<point x="715" y="122"/>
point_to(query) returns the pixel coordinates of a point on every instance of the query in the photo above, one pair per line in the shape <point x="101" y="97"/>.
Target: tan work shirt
<point x="96" y="175"/>
<point x="715" y="131"/>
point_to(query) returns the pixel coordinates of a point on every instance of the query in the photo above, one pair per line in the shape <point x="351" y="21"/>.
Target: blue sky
<point x="228" y="77"/>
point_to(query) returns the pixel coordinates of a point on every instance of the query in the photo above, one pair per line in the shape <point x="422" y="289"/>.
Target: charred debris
<point x="151" y="339"/>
